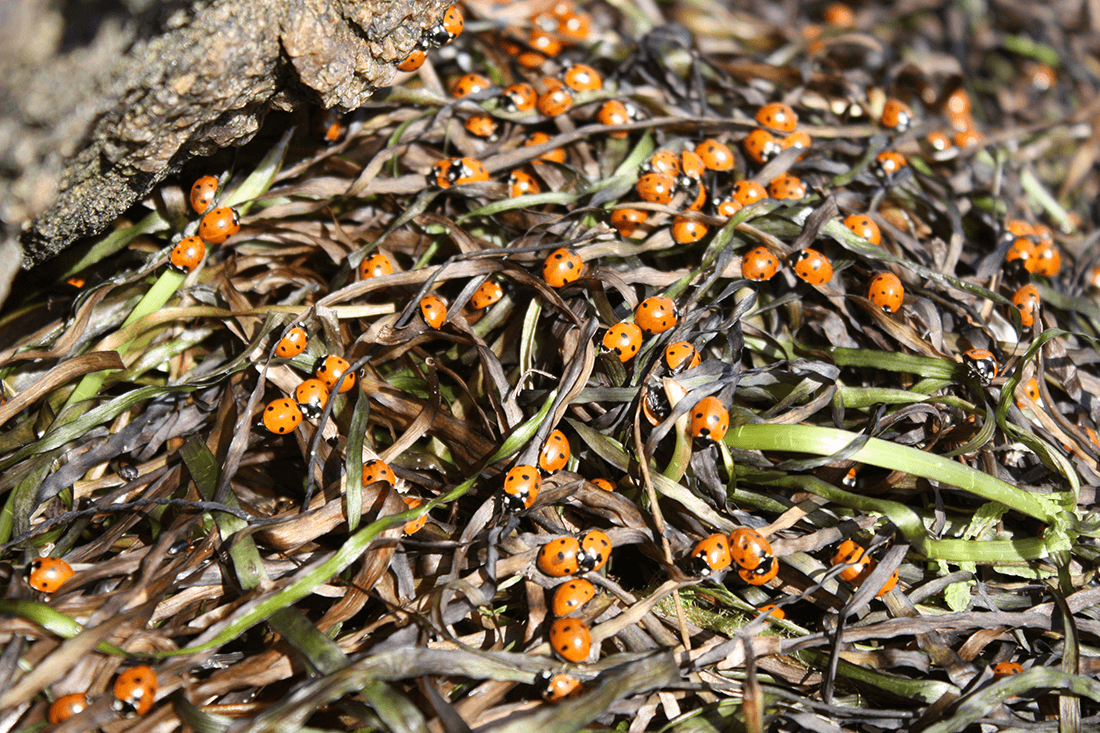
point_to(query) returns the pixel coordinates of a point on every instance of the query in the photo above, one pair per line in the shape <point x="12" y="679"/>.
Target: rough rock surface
<point x="102" y="100"/>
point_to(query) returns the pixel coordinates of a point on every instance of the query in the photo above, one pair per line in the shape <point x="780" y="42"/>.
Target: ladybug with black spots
<point x="292" y="344"/>
<point x="886" y="291"/>
<point x="329" y="368"/>
<point x="711" y="555"/>
<point x="571" y="596"/>
<point x="656" y="314"/>
<point x="748" y="548"/>
<point x="709" y="419"/>
<point x="449" y="27"/>
<point x="187" y="255"/>
<point x="311" y="396"/>
<point x="813" y="267"/>
<point x="555" y="452"/>
<point x="570" y="639"/>
<point x="135" y="690"/>
<point x="282" y="416"/>
<point x="202" y="193"/>
<point x="558" y="687"/>
<point x="48" y="574"/>
<point x="759" y="264"/>
<point x="560" y="557"/>
<point x="434" y="311"/>
<point x="562" y="267"/>
<point x="521" y="488"/>
<point x="219" y="225"/>
<point x="624" y="340"/>
<point x="982" y="365"/>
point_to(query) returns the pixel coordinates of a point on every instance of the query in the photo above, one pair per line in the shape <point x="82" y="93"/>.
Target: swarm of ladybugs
<point x="472" y="381"/>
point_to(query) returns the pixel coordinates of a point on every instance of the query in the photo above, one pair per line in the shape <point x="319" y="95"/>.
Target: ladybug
<point x="1031" y="389"/>
<point x="329" y="125"/>
<point x="202" y="193"/>
<point x="135" y="689"/>
<point x="413" y="61"/>
<point x="982" y="364"/>
<point x="481" y="126"/>
<point x="555" y="452"/>
<point x="896" y="115"/>
<point x="773" y="610"/>
<point x="561" y="268"/>
<point x="748" y="548"/>
<point x="688" y="231"/>
<point x="680" y="356"/>
<point x="766" y="572"/>
<point x="187" y="255"/>
<point x="556" y="155"/>
<point x="554" y="102"/>
<point x="797" y="139"/>
<point x="958" y="104"/>
<point x="603" y="483"/>
<point x="627" y="221"/>
<point x="448" y="28"/>
<point x="849" y="480"/>
<point x="813" y="267"/>
<point x="570" y="639"/>
<point x="663" y="161"/>
<point x="887" y="586"/>
<point x="655" y="315"/>
<point x="863" y="226"/>
<point x="293" y="344"/>
<point x="572" y="24"/>
<point x="571" y="596"/>
<point x="748" y="192"/>
<point x="434" y="311"/>
<point x="66" y="707"/>
<point x="1024" y="251"/>
<point x="282" y="416"/>
<point x="1046" y="237"/>
<point x="470" y="84"/>
<point x="521" y="487"/>
<point x="1048" y="261"/>
<point x="889" y="162"/>
<point x="519" y="97"/>
<point x="456" y="171"/>
<point x="544" y="44"/>
<point x="967" y="138"/>
<point x="624" y="340"/>
<point x="853" y="557"/>
<point x="788" y="187"/>
<point x="700" y="198"/>
<point x="715" y="155"/>
<point x="760" y="146"/>
<point x="777" y="116"/>
<point x="1026" y="300"/>
<point x="311" y="396"/>
<point x="839" y="15"/>
<point x="692" y="167"/>
<point x="560" y="556"/>
<point x="414" y="525"/>
<point x="558" y="687"/>
<point x="521" y="183"/>
<point x="375" y="265"/>
<point x="488" y="293"/>
<point x="614" y="112"/>
<point x="330" y="368"/>
<point x="48" y="574"/>
<point x="656" y="188"/>
<point x="1006" y="669"/>
<point x="595" y="550"/>
<point x="937" y="141"/>
<point x="886" y="291"/>
<point x="709" y="419"/>
<point x="219" y="225"/>
<point x="378" y="470"/>
<point x="759" y="264"/>
<point x="582" y="78"/>
<point x="711" y="555"/>
<point x="727" y="207"/>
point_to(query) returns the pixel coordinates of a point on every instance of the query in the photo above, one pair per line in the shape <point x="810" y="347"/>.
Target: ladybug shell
<point x="555" y="452"/>
<point x="293" y="344"/>
<point x="748" y="192"/>
<point x="561" y="687"/>
<point x="656" y="315"/>
<point x="135" y="689"/>
<point x="48" y="574"/>
<point x="378" y="470"/>
<point x="596" y="548"/>
<point x="571" y="596"/>
<point x="562" y="267"/>
<point x="681" y="355"/>
<point x="709" y="419"/>
<point x="886" y="291"/>
<point x="311" y="396"/>
<point x="863" y="226"/>
<point x="219" y="225"/>
<point x="375" y="265"/>
<point x="187" y="255"/>
<point x="761" y="146"/>
<point x="66" y="707"/>
<point x="560" y="557"/>
<point x="282" y="416"/>
<point x="813" y="267"/>
<point x="570" y="639"/>
<point x="434" y="311"/>
<point x="778" y="117"/>
<point x="330" y="368"/>
<point x="521" y="487"/>
<point x="748" y="548"/>
<point x="759" y="264"/>
<point x="711" y="554"/>
<point x="624" y="340"/>
<point x="715" y="155"/>
<point x="414" y="525"/>
<point x="766" y="572"/>
<point x="202" y="193"/>
<point x="488" y="293"/>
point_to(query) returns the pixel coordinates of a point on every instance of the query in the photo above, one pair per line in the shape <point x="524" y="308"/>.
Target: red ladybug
<point x="603" y="483"/>
<point x="521" y="183"/>
<point x="886" y="291"/>
<point x="863" y="226"/>
<point x="470" y="84"/>
<point x="982" y="364"/>
<point x="748" y="548"/>
<point x="777" y="116"/>
<point x="558" y="687"/>
<point x="656" y="314"/>
<point x="582" y="78"/>
<point x="481" y="126"/>
<point x="614" y="112"/>
<point x="378" y="470"/>
<point x="688" y="231"/>
<point x="1006" y="669"/>
<point x="813" y="267"/>
<point x="282" y="416"/>
<point x="711" y="554"/>
<point x="570" y="639"/>
<point x="748" y="192"/>
<point x="571" y="596"/>
<point x="761" y="146"/>
<point x="219" y="225"/>
<point x="555" y="452"/>
<point x="448" y="28"/>
<point x="457" y="171"/>
<point x="663" y="161"/>
<point x="488" y="293"/>
<point x="554" y="102"/>
<point x="561" y="268"/>
<point x="656" y="188"/>
<point x="596" y="548"/>
<point x="762" y="574"/>
<point x="520" y="97"/>
<point x="202" y="193"/>
<point x="759" y="264"/>
<point x="715" y="155"/>
<point x="627" y="221"/>
<point x="413" y="61"/>
<point x="797" y="139"/>
<point x="624" y="340"/>
<point x="135" y="690"/>
<point x="1048" y="261"/>
<point x="1027" y="301"/>
<point x="293" y="344"/>
<point x="330" y="368"/>
<point x="560" y="556"/>
<point x="414" y="525"/>
<point x="375" y="265"/>
<point x="889" y="162"/>
<point x="727" y="207"/>
<point x="787" y="187"/>
<point x="709" y="419"/>
<point x="434" y="311"/>
<point x="555" y="155"/>
<point x="66" y="707"/>
<point x="680" y="356"/>
<point x="187" y="255"/>
<point x="896" y="115"/>
<point x="521" y="488"/>
<point x="851" y="555"/>
<point x="311" y="396"/>
<point x="48" y="574"/>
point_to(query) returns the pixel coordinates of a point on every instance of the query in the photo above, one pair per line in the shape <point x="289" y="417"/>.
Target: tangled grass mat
<point x="841" y="479"/>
